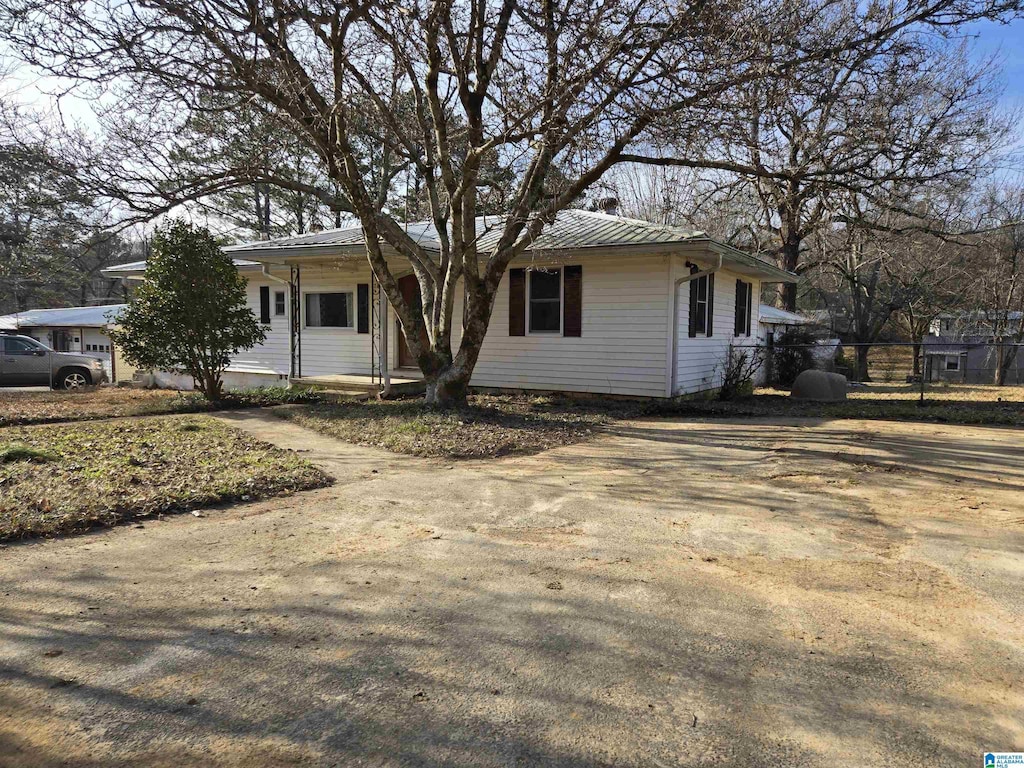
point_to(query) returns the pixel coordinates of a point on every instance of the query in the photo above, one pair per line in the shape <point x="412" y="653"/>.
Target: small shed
<point x="773" y="322"/>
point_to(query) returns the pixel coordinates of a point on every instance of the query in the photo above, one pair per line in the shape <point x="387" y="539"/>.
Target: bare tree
<point x="997" y="287"/>
<point x="933" y="276"/>
<point x="911" y="110"/>
<point x="551" y="94"/>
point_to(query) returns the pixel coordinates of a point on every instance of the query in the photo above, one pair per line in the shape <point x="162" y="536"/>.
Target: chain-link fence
<point x="931" y="371"/>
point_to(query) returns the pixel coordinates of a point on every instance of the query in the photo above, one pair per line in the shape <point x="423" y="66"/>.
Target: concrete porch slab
<point x="402" y="382"/>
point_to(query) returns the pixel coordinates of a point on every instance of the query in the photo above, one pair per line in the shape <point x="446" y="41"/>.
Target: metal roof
<point x="944" y="345"/>
<point x="571" y="229"/>
<point x="137" y="268"/>
<point x="775" y="316"/>
<point x="65" y="317"/>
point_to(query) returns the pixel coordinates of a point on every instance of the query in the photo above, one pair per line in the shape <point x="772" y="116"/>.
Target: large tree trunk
<point x="448" y="388"/>
<point x="862" y="363"/>
<point x="790" y="256"/>
<point x="447" y="380"/>
<point x="1006" y="357"/>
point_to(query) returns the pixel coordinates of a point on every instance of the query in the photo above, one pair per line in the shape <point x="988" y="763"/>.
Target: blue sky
<point x="1006" y="40"/>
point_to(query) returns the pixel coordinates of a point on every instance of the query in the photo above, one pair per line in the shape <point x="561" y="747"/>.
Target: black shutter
<point x="265" y="304"/>
<point x="517" y="302"/>
<point x="750" y="306"/>
<point x="363" y="308"/>
<point x="711" y="304"/>
<point x="693" y="303"/>
<point x="741" y="297"/>
<point x="572" y="322"/>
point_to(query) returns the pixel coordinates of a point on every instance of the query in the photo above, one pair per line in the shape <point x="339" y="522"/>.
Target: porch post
<point x="295" y="325"/>
<point x="382" y="341"/>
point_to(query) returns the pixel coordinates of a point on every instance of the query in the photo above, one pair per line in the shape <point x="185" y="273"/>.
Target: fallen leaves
<point x="489" y="426"/>
<point x="103" y="473"/>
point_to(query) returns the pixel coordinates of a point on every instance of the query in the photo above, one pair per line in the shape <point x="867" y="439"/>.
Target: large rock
<point x="819" y="385"/>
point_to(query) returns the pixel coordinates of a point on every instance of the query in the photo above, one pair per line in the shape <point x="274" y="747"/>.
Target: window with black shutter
<point x="701" y="310"/>
<point x="545" y="301"/>
<point x="700" y="303"/>
<point x="744" y="300"/>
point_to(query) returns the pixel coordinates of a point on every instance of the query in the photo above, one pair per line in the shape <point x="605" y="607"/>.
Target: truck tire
<point x="72" y="378"/>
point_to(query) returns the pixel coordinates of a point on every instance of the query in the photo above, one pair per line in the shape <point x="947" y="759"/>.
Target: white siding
<point x="700" y="361"/>
<point x="334" y="350"/>
<point x="622" y="346"/>
<point x="272" y="355"/>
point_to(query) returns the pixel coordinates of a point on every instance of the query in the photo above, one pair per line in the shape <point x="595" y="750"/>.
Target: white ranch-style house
<point x="598" y="304"/>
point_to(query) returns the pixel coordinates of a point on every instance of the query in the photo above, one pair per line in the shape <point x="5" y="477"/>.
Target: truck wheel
<point x="71" y="378"/>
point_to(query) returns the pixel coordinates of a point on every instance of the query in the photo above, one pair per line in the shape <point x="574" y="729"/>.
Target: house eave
<point x="732" y="257"/>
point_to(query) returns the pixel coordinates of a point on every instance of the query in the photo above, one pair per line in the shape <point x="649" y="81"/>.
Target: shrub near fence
<point x="982" y="372"/>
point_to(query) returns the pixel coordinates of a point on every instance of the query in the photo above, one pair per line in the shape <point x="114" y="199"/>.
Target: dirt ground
<point x="670" y="594"/>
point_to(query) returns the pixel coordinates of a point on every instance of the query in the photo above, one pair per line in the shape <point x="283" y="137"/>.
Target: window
<point x="952" y="362"/>
<point x="545" y="301"/>
<point x="279" y="303"/>
<point x="702" y="297"/>
<point x="744" y="298"/>
<point x="19" y="347"/>
<point x="329" y="310"/>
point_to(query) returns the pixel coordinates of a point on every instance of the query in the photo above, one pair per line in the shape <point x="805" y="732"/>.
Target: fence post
<point x="923" y="374"/>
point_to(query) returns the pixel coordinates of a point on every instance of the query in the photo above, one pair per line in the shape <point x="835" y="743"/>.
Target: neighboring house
<point x="69" y="329"/>
<point x="961" y="326"/>
<point x="971" y="360"/>
<point x="772" y="326"/>
<point x="774" y="322"/>
<point x="598" y="304"/>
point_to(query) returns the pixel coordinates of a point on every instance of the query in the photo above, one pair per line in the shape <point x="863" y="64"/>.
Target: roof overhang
<point x="136" y="270"/>
<point x="736" y="260"/>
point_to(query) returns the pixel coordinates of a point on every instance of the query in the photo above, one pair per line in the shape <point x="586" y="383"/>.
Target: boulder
<point x="819" y="385"/>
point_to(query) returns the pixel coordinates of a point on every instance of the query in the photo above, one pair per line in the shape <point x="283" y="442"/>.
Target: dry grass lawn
<point x="19" y="407"/>
<point x="94" y="403"/>
<point x="63" y="478"/>
<point x="490" y="425"/>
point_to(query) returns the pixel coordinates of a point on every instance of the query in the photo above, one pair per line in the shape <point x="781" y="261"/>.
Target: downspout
<point x="291" y="336"/>
<point x="675" y="315"/>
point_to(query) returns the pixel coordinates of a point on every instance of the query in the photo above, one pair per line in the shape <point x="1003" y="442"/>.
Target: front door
<point x="410" y="288"/>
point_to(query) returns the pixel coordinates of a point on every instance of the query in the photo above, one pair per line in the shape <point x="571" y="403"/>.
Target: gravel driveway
<point x="671" y="594"/>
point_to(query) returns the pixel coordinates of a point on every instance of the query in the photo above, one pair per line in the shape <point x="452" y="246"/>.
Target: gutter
<point x="264" y="270"/>
<point x="675" y="315"/>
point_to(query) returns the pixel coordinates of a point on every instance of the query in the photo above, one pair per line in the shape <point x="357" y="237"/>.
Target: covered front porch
<point x="330" y="326"/>
<point x="403" y="381"/>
